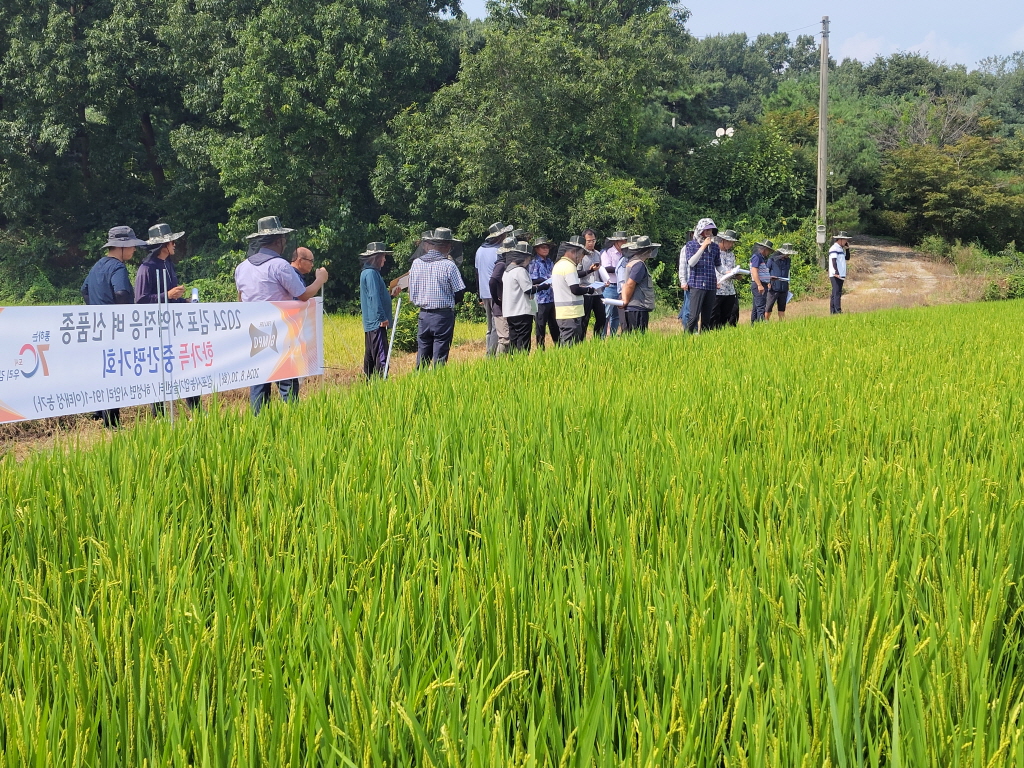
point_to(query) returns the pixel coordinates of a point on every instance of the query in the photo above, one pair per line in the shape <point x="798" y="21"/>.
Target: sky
<point x="955" y="32"/>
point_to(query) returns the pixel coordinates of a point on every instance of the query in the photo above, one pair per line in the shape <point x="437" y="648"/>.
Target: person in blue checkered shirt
<point x="702" y="256"/>
<point x="436" y="286"/>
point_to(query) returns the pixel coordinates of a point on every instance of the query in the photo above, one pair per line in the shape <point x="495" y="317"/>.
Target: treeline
<point x="359" y="120"/>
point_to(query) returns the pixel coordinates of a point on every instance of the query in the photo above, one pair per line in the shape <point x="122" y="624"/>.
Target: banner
<point x="60" y="360"/>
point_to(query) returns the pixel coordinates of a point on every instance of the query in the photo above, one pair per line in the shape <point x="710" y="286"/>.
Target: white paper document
<point x="613" y="302"/>
<point x="732" y="273"/>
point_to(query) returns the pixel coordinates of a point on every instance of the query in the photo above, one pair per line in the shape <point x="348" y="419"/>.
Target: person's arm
<point x="835" y="267"/>
<point x="627" y="291"/>
<point x="314" y="287"/>
<point x="684" y="270"/>
<point x="755" y="272"/>
<point x="85" y="292"/>
<point x="580" y="290"/>
<point x="496" y="288"/>
<point x="700" y="252"/>
<point x="459" y="287"/>
<point x="122" y="286"/>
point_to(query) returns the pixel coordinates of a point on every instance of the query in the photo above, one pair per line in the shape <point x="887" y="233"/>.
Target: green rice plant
<point x="789" y="544"/>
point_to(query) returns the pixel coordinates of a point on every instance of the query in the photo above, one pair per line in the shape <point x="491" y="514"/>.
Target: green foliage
<point x="408" y="328"/>
<point x="966" y="191"/>
<point x="392" y="575"/>
<point x="545" y="112"/>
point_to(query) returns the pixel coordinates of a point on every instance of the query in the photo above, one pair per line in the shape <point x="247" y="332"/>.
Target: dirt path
<point x="885" y="275"/>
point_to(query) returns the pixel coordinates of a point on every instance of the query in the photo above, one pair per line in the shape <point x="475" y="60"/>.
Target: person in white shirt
<point x="517" y="300"/>
<point x="486" y="256"/>
<point x="837" y="256"/>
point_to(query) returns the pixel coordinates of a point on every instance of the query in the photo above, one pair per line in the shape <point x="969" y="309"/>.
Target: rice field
<point x="788" y="545"/>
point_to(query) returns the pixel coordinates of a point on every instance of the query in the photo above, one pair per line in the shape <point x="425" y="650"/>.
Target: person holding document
<point x="727" y="303"/>
<point x="702" y="256"/>
<point x="517" y="297"/>
<point x="778" y="280"/>
<point x="540" y="268"/>
<point x="638" y="287"/>
<point x="569" y="294"/>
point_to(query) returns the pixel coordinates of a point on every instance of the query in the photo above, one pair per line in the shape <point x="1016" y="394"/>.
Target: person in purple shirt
<point x="540" y="272"/>
<point x="702" y="256"/>
<point x="160" y="247"/>
<point x="266" y="276"/>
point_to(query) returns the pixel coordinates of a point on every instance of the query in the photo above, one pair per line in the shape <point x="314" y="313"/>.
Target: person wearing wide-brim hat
<point x="160" y="246"/>
<point x="611" y="258"/>
<point x="108" y="283"/>
<point x="375" y="303"/>
<point x="156" y="281"/>
<point x="494" y="283"/>
<point x="265" y="275"/>
<point x="727" y="302"/>
<point x="778" y="280"/>
<point x="701" y="257"/>
<point x="436" y="286"/>
<point x="486" y="255"/>
<point x="837" y="256"/>
<point x="568" y="293"/>
<point x="517" y="297"/>
<point x="541" y="266"/>
<point x="759" y="278"/>
<point x="638" y="286"/>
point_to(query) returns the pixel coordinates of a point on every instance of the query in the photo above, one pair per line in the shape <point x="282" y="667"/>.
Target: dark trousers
<point x="111" y="418"/>
<point x="434" y="338"/>
<point x="375" y="355"/>
<point x="546" y="324"/>
<point x="569" y="330"/>
<point x="260" y="394"/>
<point x="727" y="311"/>
<point x="760" y="299"/>
<point x="836" y="302"/>
<point x="702" y="307"/>
<point x="158" y="409"/>
<point x="520" y="329"/>
<point x="593" y="305"/>
<point x="637" y="320"/>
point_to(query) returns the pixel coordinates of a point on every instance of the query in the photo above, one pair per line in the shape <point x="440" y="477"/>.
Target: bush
<point x="407" y="327"/>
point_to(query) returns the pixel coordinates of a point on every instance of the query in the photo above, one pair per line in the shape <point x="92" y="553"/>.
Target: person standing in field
<point x="727" y="303"/>
<point x="265" y="275"/>
<point x="517" y="302"/>
<point x="494" y="286"/>
<point x="608" y="273"/>
<point x="569" y="294"/>
<point x="160" y="246"/>
<point x="540" y="272"/>
<point x="486" y="255"/>
<point x="778" y="280"/>
<point x="108" y="283"/>
<point x="759" y="278"/>
<point x="436" y="286"/>
<point x="703" y="258"/>
<point x="638" y="287"/>
<point x="684" y="286"/>
<point x="837" y="256"/>
<point x="592" y="304"/>
<point x="375" y="303"/>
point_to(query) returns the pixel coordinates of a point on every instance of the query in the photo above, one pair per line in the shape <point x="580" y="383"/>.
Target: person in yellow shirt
<point x="569" y="294"/>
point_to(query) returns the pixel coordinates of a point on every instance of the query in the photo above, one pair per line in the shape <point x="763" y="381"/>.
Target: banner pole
<point x="391" y="346"/>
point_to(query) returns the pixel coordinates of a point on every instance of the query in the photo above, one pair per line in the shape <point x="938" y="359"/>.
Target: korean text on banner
<point x="62" y="360"/>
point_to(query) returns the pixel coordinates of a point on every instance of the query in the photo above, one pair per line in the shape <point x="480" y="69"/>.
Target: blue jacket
<point x="374" y="299"/>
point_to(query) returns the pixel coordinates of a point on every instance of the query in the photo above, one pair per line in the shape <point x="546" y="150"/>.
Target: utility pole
<point x="823" y="138"/>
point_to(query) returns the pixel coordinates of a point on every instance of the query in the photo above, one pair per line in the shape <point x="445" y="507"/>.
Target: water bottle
<point x="195" y="295"/>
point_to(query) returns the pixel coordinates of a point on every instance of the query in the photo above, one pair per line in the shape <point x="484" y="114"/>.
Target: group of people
<point x="264" y="275"/>
<point x="530" y="291"/>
